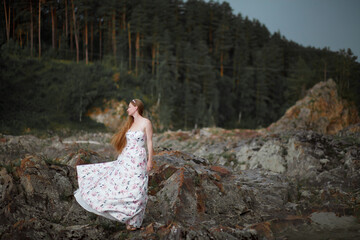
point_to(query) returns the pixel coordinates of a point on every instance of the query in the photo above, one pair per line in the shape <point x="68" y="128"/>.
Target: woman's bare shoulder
<point x="146" y="122"/>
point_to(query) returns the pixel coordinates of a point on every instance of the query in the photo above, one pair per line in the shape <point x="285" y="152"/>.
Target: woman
<point x="118" y="190"/>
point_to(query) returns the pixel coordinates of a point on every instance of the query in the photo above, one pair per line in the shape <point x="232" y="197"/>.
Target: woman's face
<point x="131" y="109"/>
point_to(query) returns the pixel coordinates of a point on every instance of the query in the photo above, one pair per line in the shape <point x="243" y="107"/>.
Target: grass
<point x="10" y="168"/>
<point x="190" y="145"/>
<point x="50" y="161"/>
<point x="60" y="127"/>
<point x="197" y="180"/>
<point x="230" y="157"/>
<point x="211" y="158"/>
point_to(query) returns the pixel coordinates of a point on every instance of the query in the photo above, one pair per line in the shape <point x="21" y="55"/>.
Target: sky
<point x="317" y="23"/>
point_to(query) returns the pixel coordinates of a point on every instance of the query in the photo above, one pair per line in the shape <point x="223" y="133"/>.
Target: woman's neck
<point x="136" y="117"/>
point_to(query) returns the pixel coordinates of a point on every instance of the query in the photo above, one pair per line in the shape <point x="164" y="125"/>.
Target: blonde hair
<point x="119" y="139"/>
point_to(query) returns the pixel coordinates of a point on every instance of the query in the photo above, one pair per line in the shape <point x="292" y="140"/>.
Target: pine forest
<point x="197" y="62"/>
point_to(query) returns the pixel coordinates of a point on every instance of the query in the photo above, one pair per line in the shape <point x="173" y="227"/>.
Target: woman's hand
<point x="149" y="166"/>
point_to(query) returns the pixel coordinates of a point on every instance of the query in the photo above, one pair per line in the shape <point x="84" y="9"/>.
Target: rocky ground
<point x="209" y="183"/>
<point x="283" y="186"/>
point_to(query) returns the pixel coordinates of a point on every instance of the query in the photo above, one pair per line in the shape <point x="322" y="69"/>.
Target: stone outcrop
<point x="295" y="153"/>
<point x="321" y="110"/>
<point x="111" y="114"/>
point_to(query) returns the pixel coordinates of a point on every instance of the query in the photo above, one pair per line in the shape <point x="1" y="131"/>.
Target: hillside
<point x="194" y="64"/>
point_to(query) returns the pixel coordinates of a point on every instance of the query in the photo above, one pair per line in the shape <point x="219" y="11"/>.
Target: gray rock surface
<point x="265" y="187"/>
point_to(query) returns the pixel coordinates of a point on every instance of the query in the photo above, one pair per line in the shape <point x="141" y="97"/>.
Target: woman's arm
<point x="149" y="143"/>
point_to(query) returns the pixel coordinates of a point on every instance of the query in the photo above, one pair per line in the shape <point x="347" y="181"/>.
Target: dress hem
<point x="86" y="206"/>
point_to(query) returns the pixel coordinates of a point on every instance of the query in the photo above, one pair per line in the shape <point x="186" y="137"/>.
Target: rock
<point x="267" y="186"/>
<point x="6" y="186"/>
<point x="323" y="225"/>
<point x="269" y="157"/>
<point x="352" y="131"/>
<point x="223" y="171"/>
<point x="110" y="114"/>
<point x="321" y="110"/>
<point x="324" y="161"/>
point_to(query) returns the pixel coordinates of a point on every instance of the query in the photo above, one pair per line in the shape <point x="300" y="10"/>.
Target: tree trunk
<point x="222" y="64"/>
<point x="13" y="20"/>
<point x="71" y="36"/>
<point x="177" y="64"/>
<point x="129" y="36"/>
<point x="86" y="40"/>
<point x="211" y="33"/>
<point x="157" y="58"/>
<point x="100" y="39"/>
<point x="158" y="54"/>
<point x="7" y="21"/>
<point x="109" y="43"/>
<point x="92" y="41"/>
<point x="59" y="39"/>
<point x="39" y="29"/>
<point x="52" y="27"/>
<point x="66" y="19"/>
<point x="83" y="40"/>
<point x="75" y="32"/>
<point x="153" y="54"/>
<point x="20" y="36"/>
<point x="123" y="25"/>
<point x="114" y="35"/>
<point x="141" y="47"/>
<point x="31" y="30"/>
<point x="137" y="46"/>
<point x="55" y="27"/>
<point x="210" y="39"/>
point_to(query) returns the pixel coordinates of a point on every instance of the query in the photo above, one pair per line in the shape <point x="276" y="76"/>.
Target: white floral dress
<point x="117" y="190"/>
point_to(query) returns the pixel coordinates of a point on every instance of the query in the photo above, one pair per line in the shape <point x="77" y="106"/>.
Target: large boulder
<point x="321" y="110"/>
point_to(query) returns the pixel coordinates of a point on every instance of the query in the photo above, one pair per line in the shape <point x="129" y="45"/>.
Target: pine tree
<point x="298" y="82"/>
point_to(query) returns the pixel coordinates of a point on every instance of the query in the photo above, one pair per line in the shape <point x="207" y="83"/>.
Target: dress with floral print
<point x="118" y="189"/>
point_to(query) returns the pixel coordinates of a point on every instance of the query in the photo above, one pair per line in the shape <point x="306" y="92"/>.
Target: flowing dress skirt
<point x="117" y="190"/>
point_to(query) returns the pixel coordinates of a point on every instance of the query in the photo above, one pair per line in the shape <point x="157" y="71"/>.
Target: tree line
<point x="197" y="63"/>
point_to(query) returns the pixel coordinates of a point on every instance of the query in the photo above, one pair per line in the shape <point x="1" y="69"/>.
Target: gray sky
<point x="317" y="23"/>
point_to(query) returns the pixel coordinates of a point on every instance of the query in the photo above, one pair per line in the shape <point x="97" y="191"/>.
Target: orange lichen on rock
<point x="264" y="229"/>
<point x="292" y="113"/>
<point x="220" y="186"/>
<point x="111" y="114"/>
<point x="28" y="161"/>
<point x="149" y="229"/>
<point x="200" y="201"/>
<point x="216" y="176"/>
<point x="321" y="110"/>
<point x="182" y="135"/>
<point x="221" y="170"/>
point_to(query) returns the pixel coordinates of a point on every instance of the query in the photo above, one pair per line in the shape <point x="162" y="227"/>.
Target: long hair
<point x="119" y="139"/>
